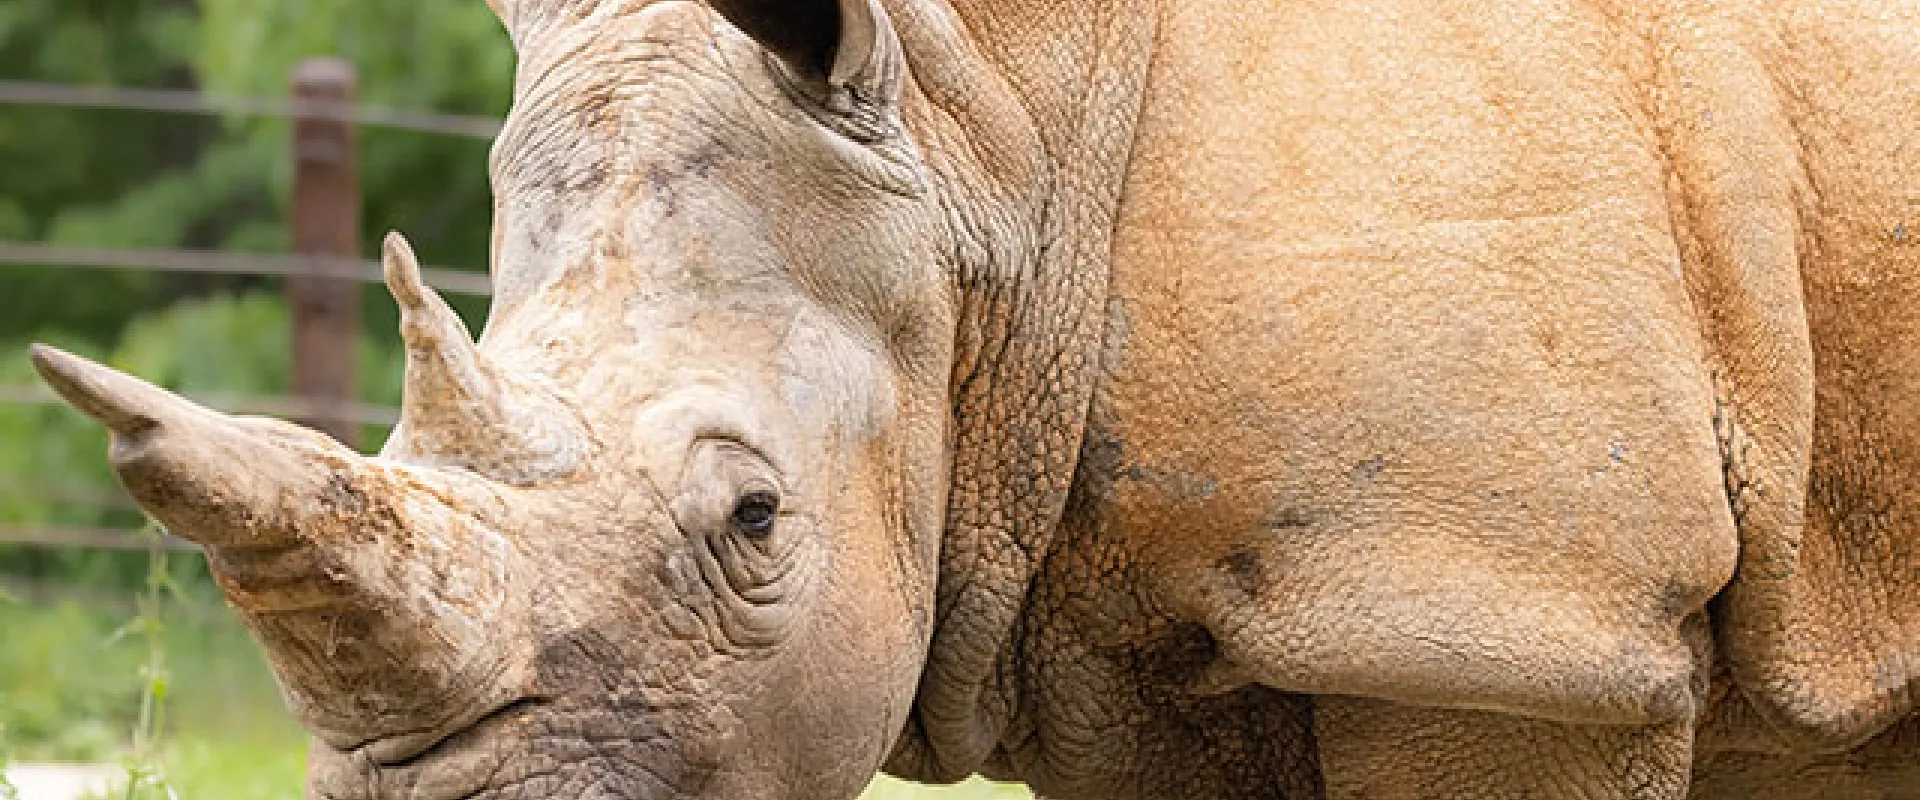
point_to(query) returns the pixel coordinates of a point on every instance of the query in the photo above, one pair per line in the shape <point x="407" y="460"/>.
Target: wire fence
<point x="187" y="101"/>
<point x="273" y="406"/>
<point x="312" y="409"/>
<point x="93" y="538"/>
<point x="224" y="263"/>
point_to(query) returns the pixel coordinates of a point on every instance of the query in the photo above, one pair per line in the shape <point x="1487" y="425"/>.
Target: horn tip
<point x="44" y="356"/>
<point x="63" y="371"/>
<point x="86" y="385"/>
<point x="402" y="271"/>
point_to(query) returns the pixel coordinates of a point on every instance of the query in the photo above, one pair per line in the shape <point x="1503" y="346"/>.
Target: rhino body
<point x="1362" y="399"/>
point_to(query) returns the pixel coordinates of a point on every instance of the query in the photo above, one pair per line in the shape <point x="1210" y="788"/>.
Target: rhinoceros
<point x="1358" y="399"/>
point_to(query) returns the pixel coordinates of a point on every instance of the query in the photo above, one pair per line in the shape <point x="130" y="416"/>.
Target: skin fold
<point x="1138" y="399"/>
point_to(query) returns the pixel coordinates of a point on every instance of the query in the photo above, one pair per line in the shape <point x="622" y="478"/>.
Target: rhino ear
<point x="845" y="50"/>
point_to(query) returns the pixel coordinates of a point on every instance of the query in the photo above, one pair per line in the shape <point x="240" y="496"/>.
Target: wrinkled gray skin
<point x="1395" y="398"/>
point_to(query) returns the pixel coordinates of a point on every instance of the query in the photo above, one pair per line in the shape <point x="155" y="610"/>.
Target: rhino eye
<point x="753" y="513"/>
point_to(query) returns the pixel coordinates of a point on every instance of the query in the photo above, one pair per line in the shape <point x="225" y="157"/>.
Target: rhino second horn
<point x="458" y="408"/>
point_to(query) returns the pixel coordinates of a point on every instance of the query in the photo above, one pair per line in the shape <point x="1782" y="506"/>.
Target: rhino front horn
<point x="216" y="479"/>
<point x="309" y="539"/>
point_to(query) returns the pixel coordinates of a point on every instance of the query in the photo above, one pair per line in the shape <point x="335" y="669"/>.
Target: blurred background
<point x="172" y="204"/>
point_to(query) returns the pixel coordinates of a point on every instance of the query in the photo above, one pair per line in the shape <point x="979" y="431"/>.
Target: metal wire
<point x="308" y="408"/>
<point x="78" y="494"/>
<point x="193" y="102"/>
<point x="96" y="538"/>
<point x="215" y="262"/>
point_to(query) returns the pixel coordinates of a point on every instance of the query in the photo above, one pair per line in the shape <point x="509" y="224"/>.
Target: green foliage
<point x="446" y="54"/>
<point x="46" y="450"/>
<point x="70" y="688"/>
<point x="68" y="166"/>
<point x="137" y="179"/>
<point x="73" y="677"/>
<point x="65" y="683"/>
<point x="207" y="765"/>
<point x="221" y="344"/>
<point x="146" y="777"/>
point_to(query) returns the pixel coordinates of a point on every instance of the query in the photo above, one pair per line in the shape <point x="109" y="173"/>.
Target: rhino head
<point x="671" y="527"/>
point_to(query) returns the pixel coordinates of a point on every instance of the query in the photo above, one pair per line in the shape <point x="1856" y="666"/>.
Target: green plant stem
<point x="7" y="790"/>
<point x="144" y="769"/>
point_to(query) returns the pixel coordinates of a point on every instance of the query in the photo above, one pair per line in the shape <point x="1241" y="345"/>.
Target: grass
<point x="71" y="686"/>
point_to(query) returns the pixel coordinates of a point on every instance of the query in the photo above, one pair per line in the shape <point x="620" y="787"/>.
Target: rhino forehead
<point x="614" y="96"/>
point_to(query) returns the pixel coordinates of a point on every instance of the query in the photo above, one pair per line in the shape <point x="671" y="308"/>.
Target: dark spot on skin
<point x="1290" y="519"/>
<point x="1616" y="455"/>
<point x="1891" y="674"/>
<point x="1102" y="454"/>
<point x="596" y="107"/>
<point x="581" y="657"/>
<point x="1678" y="599"/>
<point x="1363" y="473"/>
<point x="702" y="164"/>
<point x="588" y="177"/>
<point x="1243" y="566"/>
<point x="661" y="179"/>
<point x="342" y="497"/>
<point x="1548" y="335"/>
<point x="661" y="183"/>
<point x="1184" y="486"/>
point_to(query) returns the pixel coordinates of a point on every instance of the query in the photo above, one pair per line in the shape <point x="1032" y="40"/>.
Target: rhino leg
<point x="1379" y="750"/>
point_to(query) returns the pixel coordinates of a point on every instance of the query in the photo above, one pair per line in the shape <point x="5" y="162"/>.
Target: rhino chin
<point x="528" y="748"/>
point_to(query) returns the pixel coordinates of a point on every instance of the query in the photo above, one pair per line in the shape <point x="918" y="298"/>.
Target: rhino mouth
<point x="406" y="749"/>
<point x="459" y="762"/>
<point x="530" y="747"/>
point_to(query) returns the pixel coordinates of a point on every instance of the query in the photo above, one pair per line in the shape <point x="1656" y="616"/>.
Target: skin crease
<point x="1374" y="399"/>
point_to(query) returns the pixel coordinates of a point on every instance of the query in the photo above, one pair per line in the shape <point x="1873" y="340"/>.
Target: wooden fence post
<point x="325" y="226"/>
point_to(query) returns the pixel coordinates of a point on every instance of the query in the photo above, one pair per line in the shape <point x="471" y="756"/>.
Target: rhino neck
<point x="1033" y="196"/>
